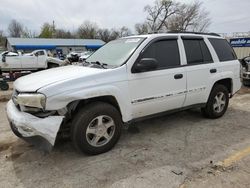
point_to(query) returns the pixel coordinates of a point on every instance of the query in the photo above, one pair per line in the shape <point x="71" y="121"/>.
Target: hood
<point x="35" y="81"/>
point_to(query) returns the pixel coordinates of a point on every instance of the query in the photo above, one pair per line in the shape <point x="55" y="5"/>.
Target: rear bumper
<point x="32" y="128"/>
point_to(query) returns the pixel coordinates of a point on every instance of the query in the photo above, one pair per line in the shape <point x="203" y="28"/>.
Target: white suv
<point x="126" y="80"/>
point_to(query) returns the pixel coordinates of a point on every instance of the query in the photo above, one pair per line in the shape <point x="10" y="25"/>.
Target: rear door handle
<point x="178" y="76"/>
<point x="213" y="70"/>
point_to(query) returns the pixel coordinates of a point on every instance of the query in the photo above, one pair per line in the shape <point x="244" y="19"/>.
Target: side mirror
<point x="145" y="64"/>
<point x="36" y="54"/>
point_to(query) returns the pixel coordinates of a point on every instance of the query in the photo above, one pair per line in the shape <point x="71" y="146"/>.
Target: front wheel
<point x="96" y="128"/>
<point x="217" y="103"/>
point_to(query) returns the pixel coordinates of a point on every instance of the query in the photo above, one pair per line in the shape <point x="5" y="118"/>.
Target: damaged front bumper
<point x="34" y="129"/>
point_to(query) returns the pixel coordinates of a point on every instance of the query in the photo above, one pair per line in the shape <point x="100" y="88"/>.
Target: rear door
<point x="161" y="89"/>
<point x="200" y="69"/>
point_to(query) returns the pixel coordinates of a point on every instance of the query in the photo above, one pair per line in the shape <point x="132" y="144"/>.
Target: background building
<point x="63" y="46"/>
<point x="240" y="41"/>
<point x="241" y="46"/>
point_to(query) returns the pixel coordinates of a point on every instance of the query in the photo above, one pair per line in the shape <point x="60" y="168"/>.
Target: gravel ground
<point x="177" y="150"/>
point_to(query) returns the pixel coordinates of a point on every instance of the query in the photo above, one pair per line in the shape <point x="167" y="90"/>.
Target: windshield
<point x="115" y="53"/>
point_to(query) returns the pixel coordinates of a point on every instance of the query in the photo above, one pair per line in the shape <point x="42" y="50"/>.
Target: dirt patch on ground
<point x="244" y="90"/>
<point x="6" y="95"/>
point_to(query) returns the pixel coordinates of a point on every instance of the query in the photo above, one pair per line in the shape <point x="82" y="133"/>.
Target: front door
<point x="162" y="89"/>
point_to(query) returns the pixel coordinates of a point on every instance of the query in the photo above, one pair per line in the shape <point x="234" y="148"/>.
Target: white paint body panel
<point x="137" y="94"/>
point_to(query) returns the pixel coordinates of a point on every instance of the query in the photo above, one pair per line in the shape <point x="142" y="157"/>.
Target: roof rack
<point x="198" y="33"/>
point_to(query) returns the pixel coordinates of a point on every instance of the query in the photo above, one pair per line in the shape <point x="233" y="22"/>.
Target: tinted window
<point x="40" y="53"/>
<point x="223" y="49"/>
<point x="166" y="52"/>
<point x="207" y="58"/>
<point x="197" y="51"/>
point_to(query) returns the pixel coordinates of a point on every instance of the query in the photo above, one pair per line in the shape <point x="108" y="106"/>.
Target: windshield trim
<point x="143" y="39"/>
<point x="115" y="66"/>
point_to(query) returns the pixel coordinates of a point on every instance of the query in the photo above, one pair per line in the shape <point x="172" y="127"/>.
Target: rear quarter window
<point x="223" y="49"/>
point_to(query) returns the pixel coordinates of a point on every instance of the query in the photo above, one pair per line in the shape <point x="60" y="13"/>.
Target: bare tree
<point x="190" y="17"/>
<point x="28" y="33"/>
<point x="106" y="35"/>
<point x="15" y="29"/>
<point x="88" y="30"/>
<point x="112" y="34"/>
<point x="166" y="15"/>
<point x="2" y="38"/>
<point x="124" y="31"/>
<point x="61" y="33"/>
<point x="141" y="28"/>
<point x="159" y="13"/>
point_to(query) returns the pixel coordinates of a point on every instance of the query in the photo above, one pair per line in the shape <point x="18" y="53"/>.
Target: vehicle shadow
<point x="177" y="139"/>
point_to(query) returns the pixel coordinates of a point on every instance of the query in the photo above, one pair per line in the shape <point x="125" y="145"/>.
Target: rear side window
<point x="166" y="52"/>
<point x="197" y="51"/>
<point x="223" y="49"/>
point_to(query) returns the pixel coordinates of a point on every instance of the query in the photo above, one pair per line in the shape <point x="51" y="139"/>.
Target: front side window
<point x="165" y="52"/>
<point x="41" y="53"/>
<point x="197" y="51"/>
<point x="223" y="49"/>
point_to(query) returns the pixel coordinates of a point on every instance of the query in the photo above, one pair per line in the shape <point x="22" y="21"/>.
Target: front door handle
<point x="178" y="76"/>
<point x="213" y="70"/>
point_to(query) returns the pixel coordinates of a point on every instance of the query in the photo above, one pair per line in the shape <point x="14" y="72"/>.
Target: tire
<point x="52" y="65"/>
<point x="246" y="82"/>
<point x="217" y="102"/>
<point x="4" y="86"/>
<point x="89" y="130"/>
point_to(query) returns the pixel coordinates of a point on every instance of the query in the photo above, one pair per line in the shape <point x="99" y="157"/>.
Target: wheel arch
<point x="227" y="82"/>
<point x="51" y="63"/>
<point x="75" y="106"/>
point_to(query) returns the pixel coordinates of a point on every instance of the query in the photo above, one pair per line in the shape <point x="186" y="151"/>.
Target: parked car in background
<point x="85" y="55"/>
<point x="245" y="72"/>
<point x="73" y="56"/>
<point x="38" y="59"/>
<point x="126" y="80"/>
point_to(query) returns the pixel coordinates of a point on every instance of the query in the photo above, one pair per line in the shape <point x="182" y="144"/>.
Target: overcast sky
<point x="227" y="15"/>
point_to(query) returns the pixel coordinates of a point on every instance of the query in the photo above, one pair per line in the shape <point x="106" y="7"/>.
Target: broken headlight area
<point x="37" y="111"/>
<point x="33" y="100"/>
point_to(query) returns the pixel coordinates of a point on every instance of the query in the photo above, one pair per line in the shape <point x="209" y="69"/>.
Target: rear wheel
<point x="4" y="85"/>
<point x="217" y="103"/>
<point x="96" y="128"/>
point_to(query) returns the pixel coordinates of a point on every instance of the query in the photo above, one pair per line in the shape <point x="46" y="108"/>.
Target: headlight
<point x="31" y="100"/>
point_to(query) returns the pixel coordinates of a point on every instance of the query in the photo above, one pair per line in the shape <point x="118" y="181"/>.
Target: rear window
<point x="223" y="49"/>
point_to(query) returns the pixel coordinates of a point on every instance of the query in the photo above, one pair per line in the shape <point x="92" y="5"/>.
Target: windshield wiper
<point x="102" y="65"/>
